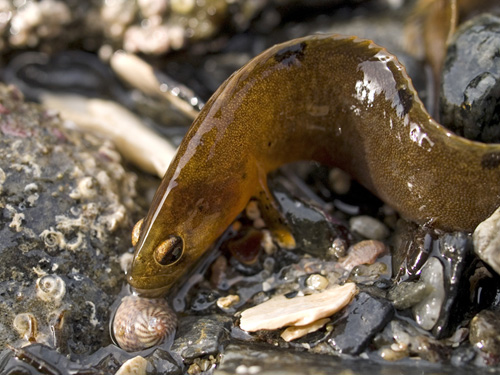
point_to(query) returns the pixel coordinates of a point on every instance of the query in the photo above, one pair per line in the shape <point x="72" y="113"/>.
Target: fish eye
<point x="169" y="251"/>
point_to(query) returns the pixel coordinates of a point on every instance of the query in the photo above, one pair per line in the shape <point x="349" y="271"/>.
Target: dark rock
<point x="201" y="336"/>
<point x="67" y="205"/>
<point x="454" y="249"/>
<point x="312" y="229"/>
<point x="249" y="358"/>
<point x="363" y="318"/>
<point x="470" y="92"/>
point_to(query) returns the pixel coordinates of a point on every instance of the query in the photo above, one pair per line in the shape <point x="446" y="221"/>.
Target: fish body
<point x="342" y="101"/>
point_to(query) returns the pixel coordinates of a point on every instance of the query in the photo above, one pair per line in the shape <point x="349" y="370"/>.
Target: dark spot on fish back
<point x="490" y="160"/>
<point x="291" y="54"/>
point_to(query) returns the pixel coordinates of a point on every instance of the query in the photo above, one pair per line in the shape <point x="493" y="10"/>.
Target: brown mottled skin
<point x="339" y="100"/>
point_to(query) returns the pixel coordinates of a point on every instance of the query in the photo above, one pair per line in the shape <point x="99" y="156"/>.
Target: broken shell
<point x="299" y="311"/>
<point x="51" y="288"/>
<point x="294" y="332"/>
<point x="141" y="323"/>
<point x="134" y="366"/>
<point x="364" y="252"/>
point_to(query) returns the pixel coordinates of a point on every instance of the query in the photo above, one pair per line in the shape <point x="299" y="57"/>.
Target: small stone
<point x="408" y="294"/>
<point x="281" y="311"/>
<point x="364" y="317"/>
<point x="228" y="301"/>
<point x="485" y="332"/>
<point x="486" y="239"/>
<point x="317" y="282"/>
<point x="369" y="227"/>
<point x="427" y="311"/>
<point x="470" y="91"/>
<point x="339" y="181"/>
<point x="201" y="336"/>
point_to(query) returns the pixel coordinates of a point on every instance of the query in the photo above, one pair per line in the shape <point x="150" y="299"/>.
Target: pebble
<point x="313" y="230"/>
<point x="486" y="239"/>
<point x="363" y="318"/>
<point x="228" y="301"/>
<point x="485" y="332"/>
<point x="407" y="294"/>
<point x="470" y="91"/>
<point x="201" y="336"/>
<point x="427" y="311"/>
<point x="317" y="282"/>
<point x="368" y="227"/>
<point x="280" y="311"/>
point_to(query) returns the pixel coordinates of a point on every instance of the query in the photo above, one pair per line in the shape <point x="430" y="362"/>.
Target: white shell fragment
<point x="299" y="311"/>
<point x="141" y="145"/>
<point x="295" y="332"/>
<point x="486" y="239"/>
<point x="134" y="366"/>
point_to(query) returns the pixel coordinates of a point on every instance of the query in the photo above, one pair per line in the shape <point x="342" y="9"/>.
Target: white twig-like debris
<point x="299" y="311"/>
<point x="139" y="74"/>
<point x="136" y="142"/>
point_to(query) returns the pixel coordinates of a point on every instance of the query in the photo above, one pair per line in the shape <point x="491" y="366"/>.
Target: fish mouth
<point x="148" y="286"/>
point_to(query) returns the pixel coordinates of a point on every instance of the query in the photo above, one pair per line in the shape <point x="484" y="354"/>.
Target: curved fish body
<point x="342" y="101"/>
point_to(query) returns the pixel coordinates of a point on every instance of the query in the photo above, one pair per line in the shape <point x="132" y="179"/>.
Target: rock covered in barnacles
<point x="140" y="323"/>
<point x="470" y="91"/>
<point x="67" y="208"/>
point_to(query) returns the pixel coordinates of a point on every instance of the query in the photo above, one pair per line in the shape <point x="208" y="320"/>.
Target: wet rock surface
<point x="64" y="227"/>
<point x="67" y="205"/>
<point x="362" y="319"/>
<point x="470" y="96"/>
<point x="201" y="336"/>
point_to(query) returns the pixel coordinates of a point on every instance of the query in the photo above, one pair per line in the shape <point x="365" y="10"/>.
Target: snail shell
<point x="51" y="288"/>
<point x="141" y="323"/>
